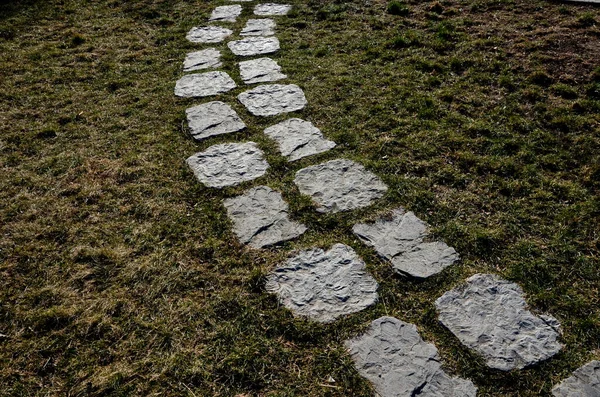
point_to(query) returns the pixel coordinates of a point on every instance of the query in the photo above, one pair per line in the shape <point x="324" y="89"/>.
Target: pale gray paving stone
<point x="228" y="164"/>
<point x="259" y="27"/>
<point x="226" y="13"/>
<point x="261" y="70"/>
<point x="585" y="382"/>
<point x="324" y="286"/>
<point x="213" y="118"/>
<point x="208" y="34"/>
<point x="298" y="138"/>
<point x="339" y="185"/>
<point x="399" y="363"/>
<point x="260" y="218"/>
<point x="205" y="59"/>
<point x="204" y="84"/>
<point x="490" y="315"/>
<point x="273" y="99"/>
<point x="250" y="46"/>
<point x="272" y="9"/>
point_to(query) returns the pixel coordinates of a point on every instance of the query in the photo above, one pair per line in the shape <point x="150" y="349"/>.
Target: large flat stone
<point x="490" y="315"/>
<point x="203" y="84"/>
<point x="205" y="59"/>
<point x="339" y="185"/>
<point x="273" y="99"/>
<point x="259" y="27"/>
<point x="324" y="286"/>
<point x="261" y="70"/>
<point x="585" y="382"/>
<point x="392" y="355"/>
<point x="213" y="118"/>
<point x="272" y="9"/>
<point x="298" y="138"/>
<point x="254" y="46"/>
<point x="260" y="218"/>
<point x="226" y="13"/>
<point x="208" y="34"/>
<point x="228" y="164"/>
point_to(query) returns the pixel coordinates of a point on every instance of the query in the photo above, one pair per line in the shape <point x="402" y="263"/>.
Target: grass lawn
<point x="121" y="275"/>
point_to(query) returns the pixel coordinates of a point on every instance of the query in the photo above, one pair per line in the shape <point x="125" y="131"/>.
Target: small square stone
<point x="204" y="84"/>
<point x="259" y="27"/>
<point x="226" y="13"/>
<point x="205" y="59"/>
<point x="273" y="99"/>
<point x="272" y="9"/>
<point x="262" y="70"/>
<point x="254" y="46"/>
<point x="298" y="138"/>
<point x="213" y="118"/>
<point x="208" y="34"/>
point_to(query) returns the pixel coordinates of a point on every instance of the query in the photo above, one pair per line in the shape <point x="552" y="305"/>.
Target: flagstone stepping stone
<point x="228" y="164"/>
<point x="394" y="358"/>
<point x="226" y="13"/>
<point x="273" y="99"/>
<point x="324" y="286"/>
<point x="262" y="70"/>
<point x="204" y="84"/>
<point x="205" y="59"/>
<point x="339" y="185"/>
<point x="259" y="27"/>
<point x="585" y="382"/>
<point x="260" y="218"/>
<point x="208" y="34"/>
<point x="490" y="315"/>
<point x="399" y="239"/>
<point x="272" y="9"/>
<point x="213" y="118"/>
<point x="298" y="138"/>
<point x="254" y="46"/>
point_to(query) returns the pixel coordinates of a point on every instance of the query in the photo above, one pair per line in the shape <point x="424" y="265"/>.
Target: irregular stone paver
<point x="298" y="138"/>
<point x="204" y="84"/>
<point x="226" y="13"/>
<point x="324" y="285"/>
<point x="228" y="164"/>
<point x="272" y="9"/>
<point x="339" y="185"/>
<point x="205" y="59"/>
<point x="273" y="99"/>
<point x="392" y="355"/>
<point x="254" y="46"/>
<point x="259" y="27"/>
<point x="262" y="70"/>
<point x="399" y="239"/>
<point x="208" y="34"/>
<point x="490" y="315"/>
<point x="585" y="382"/>
<point x="213" y="118"/>
<point x="260" y="218"/>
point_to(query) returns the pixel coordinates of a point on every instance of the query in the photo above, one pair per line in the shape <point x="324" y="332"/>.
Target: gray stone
<point x="392" y="355"/>
<point x="259" y="27"/>
<point x="262" y="70"/>
<point x="228" y="164"/>
<point x="585" y="382"/>
<point x="272" y="9"/>
<point x="273" y="99"/>
<point x="226" y="13"/>
<point x="213" y="118"/>
<point x="208" y="34"/>
<point x="204" y="84"/>
<point x="205" y="59"/>
<point x="254" y="46"/>
<point x="339" y="185"/>
<point x="490" y="315"/>
<point x="298" y="138"/>
<point x="425" y="260"/>
<point x="260" y="218"/>
<point x="324" y="286"/>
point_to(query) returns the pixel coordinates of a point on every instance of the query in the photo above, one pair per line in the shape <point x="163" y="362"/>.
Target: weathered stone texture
<point x="261" y="70"/>
<point x="259" y="27"/>
<point x="203" y="84"/>
<point x="272" y="9"/>
<point x="585" y="382"/>
<point x="226" y="13"/>
<point x="254" y="46"/>
<point x="273" y="99"/>
<point x="298" y="138"/>
<point x="213" y="118"/>
<point x="208" y="34"/>
<point x="205" y="59"/>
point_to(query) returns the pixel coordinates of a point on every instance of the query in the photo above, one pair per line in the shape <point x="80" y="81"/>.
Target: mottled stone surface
<point x="213" y="118"/>
<point x="205" y="59"/>
<point x="298" y="138"/>
<point x="262" y="70"/>
<point x="272" y="9"/>
<point x="208" y="34"/>
<point x="259" y="27"/>
<point x="339" y="185"/>
<point x="204" y="84"/>
<point x="585" y="382"/>
<point x="392" y="355"/>
<point x="226" y="13"/>
<point x="324" y="285"/>
<point x="228" y="164"/>
<point x="260" y="218"/>
<point x="254" y="46"/>
<point x="273" y="99"/>
<point x="490" y="315"/>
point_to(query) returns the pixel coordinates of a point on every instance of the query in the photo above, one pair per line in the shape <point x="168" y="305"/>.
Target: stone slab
<point x="339" y="185"/>
<point x="259" y="27"/>
<point x="324" y="286"/>
<point x="250" y="46"/>
<point x="213" y="118"/>
<point x="203" y="84"/>
<point x="272" y="9"/>
<point x="226" y="13"/>
<point x="399" y="363"/>
<point x="228" y="164"/>
<point x="261" y="70"/>
<point x="490" y="315"/>
<point x="205" y="59"/>
<point x="273" y="99"/>
<point x="585" y="382"/>
<point x="208" y="34"/>
<point x="298" y="138"/>
<point x="260" y="218"/>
